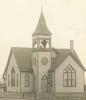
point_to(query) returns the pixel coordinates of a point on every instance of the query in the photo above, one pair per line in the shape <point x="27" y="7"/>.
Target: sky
<point x="66" y="19"/>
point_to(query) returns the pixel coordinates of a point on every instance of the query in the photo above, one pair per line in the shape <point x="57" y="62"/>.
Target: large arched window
<point x="12" y="77"/>
<point x="17" y="82"/>
<point x="69" y="76"/>
<point x="27" y="80"/>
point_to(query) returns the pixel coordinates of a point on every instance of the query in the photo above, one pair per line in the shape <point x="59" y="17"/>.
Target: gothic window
<point x="27" y="80"/>
<point x="44" y="44"/>
<point x="17" y="82"/>
<point x="8" y="80"/>
<point x="12" y="77"/>
<point x="69" y="77"/>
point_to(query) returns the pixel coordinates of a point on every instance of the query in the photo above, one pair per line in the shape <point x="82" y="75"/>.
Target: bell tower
<point x="41" y="44"/>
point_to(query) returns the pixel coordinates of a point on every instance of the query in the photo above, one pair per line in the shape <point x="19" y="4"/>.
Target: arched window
<point x="27" y="80"/>
<point x="69" y="76"/>
<point x="12" y="77"/>
<point x="17" y="82"/>
<point x="8" y="80"/>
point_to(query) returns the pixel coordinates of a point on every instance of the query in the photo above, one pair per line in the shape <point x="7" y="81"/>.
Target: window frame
<point x="46" y="39"/>
<point x="71" y="79"/>
<point x="13" y="77"/>
<point x="27" y="81"/>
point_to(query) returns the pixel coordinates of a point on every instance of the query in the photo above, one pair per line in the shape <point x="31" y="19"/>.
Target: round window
<point x="44" y="61"/>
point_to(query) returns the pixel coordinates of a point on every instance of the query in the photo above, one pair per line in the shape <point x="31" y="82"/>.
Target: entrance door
<point x="44" y="84"/>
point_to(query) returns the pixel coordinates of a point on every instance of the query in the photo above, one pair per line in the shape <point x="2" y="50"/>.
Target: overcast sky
<point x="66" y="19"/>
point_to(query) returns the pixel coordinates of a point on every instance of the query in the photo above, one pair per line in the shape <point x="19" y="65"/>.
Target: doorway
<point x="44" y="84"/>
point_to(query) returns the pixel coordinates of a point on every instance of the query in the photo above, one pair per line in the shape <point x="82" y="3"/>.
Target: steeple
<point x="41" y="28"/>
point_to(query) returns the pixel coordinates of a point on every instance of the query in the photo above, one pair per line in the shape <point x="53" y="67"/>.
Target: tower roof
<point x="41" y="28"/>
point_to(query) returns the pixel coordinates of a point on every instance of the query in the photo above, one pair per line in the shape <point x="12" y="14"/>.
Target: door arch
<point x="44" y="84"/>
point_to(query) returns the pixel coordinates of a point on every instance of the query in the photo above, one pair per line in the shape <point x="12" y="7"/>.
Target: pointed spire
<point x="41" y="28"/>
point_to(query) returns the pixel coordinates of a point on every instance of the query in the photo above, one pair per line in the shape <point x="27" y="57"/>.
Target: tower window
<point x="12" y="77"/>
<point x="35" y="44"/>
<point x="44" y="44"/>
<point x="69" y="77"/>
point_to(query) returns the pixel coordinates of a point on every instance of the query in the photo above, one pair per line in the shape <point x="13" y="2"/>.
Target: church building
<point x="43" y="68"/>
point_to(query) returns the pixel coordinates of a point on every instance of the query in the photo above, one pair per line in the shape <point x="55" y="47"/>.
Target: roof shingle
<point x="23" y="58"/>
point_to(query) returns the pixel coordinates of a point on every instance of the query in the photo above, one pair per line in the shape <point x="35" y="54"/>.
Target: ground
<point x="11" y="99"/>
<point x="46" y="99"/>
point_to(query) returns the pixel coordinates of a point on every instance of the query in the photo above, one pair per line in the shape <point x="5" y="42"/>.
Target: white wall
<point x="59" y="77"/>
<point x="11" y="64"/>
<point x="35" y="66"/>
<point x="53" y="87"/>
<point x="43" y="69"/>
<point x="23" y="88"/>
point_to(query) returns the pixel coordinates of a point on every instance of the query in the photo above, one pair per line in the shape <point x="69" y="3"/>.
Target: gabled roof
<point x="41" y="28"/>
<point x="23" y="58"/>
<point x="62" y="54"/>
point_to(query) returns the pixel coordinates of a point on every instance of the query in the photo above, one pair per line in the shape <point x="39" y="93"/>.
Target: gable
<point x="5" y="71"/>
<point x="23" y="58"/>
<point x="59" y="73"/>
<point x="70" y="61"/>
<point x="12" y="66"/>
<point x="62" y="54"/>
